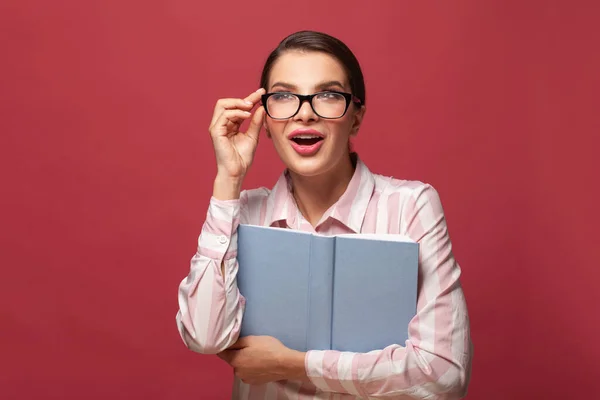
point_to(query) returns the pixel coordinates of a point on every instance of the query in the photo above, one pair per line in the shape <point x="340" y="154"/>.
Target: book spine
<point x="333" y="263"/>
<point x="320" y="293"/>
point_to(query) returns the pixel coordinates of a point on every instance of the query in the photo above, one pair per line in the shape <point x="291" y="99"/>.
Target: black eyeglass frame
<point x="309" y="97"/>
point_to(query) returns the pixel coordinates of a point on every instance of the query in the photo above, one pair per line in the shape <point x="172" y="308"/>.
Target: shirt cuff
<point x="219" y="232"/>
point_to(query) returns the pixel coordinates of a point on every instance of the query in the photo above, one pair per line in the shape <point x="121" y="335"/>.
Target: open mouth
<point x="307" y="140"/>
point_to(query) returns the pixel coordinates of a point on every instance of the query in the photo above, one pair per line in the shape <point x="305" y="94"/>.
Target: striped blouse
<point x="435" y="361"/>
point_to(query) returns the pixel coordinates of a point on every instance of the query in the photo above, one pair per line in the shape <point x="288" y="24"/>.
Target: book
<point x="355" y="292"/>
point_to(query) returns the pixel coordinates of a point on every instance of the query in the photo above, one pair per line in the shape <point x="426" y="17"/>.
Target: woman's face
<point x="323" y="145"/>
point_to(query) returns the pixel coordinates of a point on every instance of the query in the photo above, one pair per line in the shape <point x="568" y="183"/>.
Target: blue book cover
<point x="354" y="292"/>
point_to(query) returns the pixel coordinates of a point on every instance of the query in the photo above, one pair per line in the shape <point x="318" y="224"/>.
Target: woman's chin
<point x="306" y="166"/>
<point x="315" y="165"/>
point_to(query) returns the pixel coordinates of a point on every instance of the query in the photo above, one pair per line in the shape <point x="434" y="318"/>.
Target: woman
<point x="313" y="102"/>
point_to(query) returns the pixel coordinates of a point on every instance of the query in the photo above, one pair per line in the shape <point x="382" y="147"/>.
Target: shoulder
<point x="253" y="204"/>
<point x="251" y="196"/>
<point x="408" y="204"/>
<point x="404" y="190"/>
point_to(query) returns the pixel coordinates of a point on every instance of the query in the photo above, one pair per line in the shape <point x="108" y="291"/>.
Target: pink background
<point x="106" y="171"/>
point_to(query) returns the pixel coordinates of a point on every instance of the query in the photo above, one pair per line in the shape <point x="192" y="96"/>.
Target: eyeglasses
<point x="328" y="105"/>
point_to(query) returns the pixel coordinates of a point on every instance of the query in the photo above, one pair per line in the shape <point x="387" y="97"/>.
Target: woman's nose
<point x="306" y="113"/>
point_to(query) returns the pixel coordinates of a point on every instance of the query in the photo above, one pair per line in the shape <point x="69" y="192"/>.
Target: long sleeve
<point x="435" y="361"/>
<point x="210" y="305"/>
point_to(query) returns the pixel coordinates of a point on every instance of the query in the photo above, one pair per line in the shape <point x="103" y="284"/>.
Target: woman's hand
<point x="235" y="150"/>
<point x="261" y="359"/>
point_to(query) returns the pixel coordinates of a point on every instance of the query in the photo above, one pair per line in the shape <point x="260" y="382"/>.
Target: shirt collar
<point x="350" y="209"/>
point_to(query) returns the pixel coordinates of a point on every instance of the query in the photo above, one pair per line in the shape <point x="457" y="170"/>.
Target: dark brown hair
<point x="321" y="42"/>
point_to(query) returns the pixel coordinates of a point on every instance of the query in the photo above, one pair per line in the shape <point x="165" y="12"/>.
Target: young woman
<point x="313" y="102"/>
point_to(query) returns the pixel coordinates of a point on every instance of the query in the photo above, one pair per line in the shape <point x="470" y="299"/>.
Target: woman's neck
<point x="314" y="195"/>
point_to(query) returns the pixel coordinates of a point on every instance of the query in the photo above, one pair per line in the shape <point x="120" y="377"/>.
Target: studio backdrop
<point x="106" y="172"/>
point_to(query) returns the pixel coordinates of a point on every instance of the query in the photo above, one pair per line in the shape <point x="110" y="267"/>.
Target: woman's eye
<point x="330" y="96"/>
<point x="282" y="97"/>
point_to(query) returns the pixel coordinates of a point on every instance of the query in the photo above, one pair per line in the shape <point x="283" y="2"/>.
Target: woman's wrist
<point x="294" y="366"/>
<point x="227" y="188"/>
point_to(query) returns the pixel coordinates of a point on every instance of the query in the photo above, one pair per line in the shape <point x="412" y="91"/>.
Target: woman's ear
<point x="358" y="118"/>
<point x="266" y="126"/>
<point x="267" y="130"/>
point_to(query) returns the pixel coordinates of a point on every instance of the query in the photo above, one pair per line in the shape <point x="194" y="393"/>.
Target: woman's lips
<point x="306" y="142"/>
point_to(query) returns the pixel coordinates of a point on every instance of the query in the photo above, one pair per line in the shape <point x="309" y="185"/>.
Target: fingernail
<point x="259" y="90"/>
<point x="248" y="102"/>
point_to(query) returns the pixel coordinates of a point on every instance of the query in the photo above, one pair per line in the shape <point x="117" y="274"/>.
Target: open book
<point x="355" y="292"/>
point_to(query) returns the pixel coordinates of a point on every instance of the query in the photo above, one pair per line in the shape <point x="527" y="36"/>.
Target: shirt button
<point x="222" y="239"/>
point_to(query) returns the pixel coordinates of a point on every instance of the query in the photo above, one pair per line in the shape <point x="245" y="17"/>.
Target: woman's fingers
<point x="227" y="118"/>
<point x="230" y="104"/>
<point x="256" y="123"/>
<point x="254" y="97"/>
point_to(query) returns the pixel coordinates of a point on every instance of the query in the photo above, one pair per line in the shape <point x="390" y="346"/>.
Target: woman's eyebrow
<point x="329" y="84"/>
<point x="284" y="85"/>
<point x="320" y="86"/>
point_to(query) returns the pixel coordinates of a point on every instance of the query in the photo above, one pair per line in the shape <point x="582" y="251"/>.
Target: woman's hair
<point x="324" y="43"/>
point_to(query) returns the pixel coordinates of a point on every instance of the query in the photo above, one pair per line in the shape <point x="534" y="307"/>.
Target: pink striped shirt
<point x="434" y="363"/>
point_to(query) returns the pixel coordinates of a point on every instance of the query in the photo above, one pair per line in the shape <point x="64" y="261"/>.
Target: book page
<point x="364" y="236"/>
<point x="377" y="236"/>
